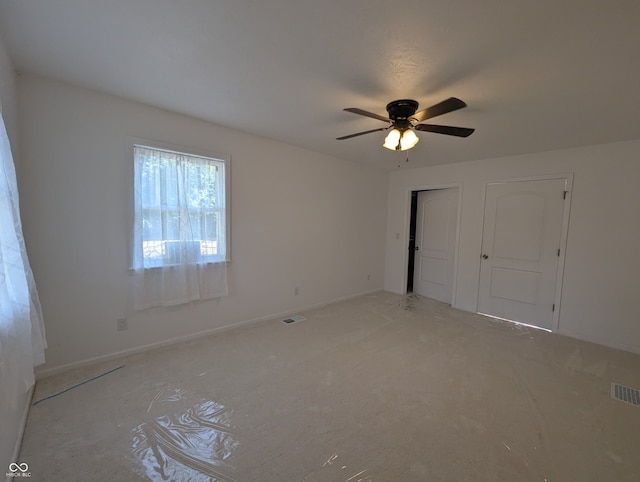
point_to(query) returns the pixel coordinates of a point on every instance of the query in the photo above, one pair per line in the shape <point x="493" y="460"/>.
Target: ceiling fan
<point x="403" y="118"/>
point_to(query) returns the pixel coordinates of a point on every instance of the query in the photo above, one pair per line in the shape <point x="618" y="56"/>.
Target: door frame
<point x="568" y="178"/>
<point x="407" y="210"/>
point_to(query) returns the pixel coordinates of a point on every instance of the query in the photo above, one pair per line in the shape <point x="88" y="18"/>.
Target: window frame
<point x="224" y="159"/>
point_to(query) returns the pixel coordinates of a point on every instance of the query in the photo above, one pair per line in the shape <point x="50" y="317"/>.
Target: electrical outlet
<point x="122" y="324"/>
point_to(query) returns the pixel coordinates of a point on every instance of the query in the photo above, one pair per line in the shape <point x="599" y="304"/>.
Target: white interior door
<point x="521" y="249"/>
<point x="436" y="222"/>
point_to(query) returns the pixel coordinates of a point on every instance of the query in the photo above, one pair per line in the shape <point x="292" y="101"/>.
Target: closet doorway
<point x="432" y="238"/>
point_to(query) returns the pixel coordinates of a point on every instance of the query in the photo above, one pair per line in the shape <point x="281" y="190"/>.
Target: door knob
<point x="484" y="256"/>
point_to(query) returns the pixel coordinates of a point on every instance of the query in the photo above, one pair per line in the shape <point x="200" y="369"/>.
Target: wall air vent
<point x="625" y="394"/>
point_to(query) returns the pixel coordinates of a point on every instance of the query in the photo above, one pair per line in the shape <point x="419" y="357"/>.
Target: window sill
<point x="156" y="268"/>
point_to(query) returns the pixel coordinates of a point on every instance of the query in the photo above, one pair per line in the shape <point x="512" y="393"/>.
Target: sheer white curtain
<point x="22" y="336"/>
<point x="180" y="220"/>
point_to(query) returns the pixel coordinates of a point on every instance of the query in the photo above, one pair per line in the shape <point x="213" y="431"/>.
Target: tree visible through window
<point x="180" y="213"/>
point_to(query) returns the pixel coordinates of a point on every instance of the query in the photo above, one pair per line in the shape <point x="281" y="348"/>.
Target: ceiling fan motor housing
<point x="400" y="111"/>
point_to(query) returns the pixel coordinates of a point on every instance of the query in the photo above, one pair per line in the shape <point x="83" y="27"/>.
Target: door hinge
<point x="564" y="194"/>
<point x="553" y="308"/>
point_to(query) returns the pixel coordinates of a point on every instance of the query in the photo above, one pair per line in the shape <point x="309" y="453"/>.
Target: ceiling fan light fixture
<point x="408" y="140"/>
<point x="392" y="141"/>
<point x="403" y="121"/>
<point x="398" y="140"/>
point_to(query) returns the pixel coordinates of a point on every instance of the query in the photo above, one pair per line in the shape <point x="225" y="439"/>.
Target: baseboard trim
<point x="48" y="372"/>
<point x="22" y="427"/>
<point x="600" y="341"/>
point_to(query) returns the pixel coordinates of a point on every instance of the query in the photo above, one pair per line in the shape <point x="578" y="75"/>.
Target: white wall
<point x="10" y="413"/>
<point x="298" y="219"/>
<point x="602" y="267"/>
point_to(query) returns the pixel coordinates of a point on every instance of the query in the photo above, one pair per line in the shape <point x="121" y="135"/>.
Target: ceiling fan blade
<point x="448" y="130"/>
<point x="444" y="107"/>
<point x="355" y="110"/>
<point x="360" y="134"/>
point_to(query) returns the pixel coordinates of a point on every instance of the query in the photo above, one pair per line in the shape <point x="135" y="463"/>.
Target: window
<point x="22" y="333"/>
<point x="181" y="227"/>
<point x="181" y="209"/>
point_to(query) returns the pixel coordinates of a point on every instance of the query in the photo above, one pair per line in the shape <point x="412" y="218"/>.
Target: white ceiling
<point x="537" y="75"/>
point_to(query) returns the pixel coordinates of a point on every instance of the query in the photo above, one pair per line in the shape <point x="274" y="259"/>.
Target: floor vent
<point x="625" y="394"/>
<point x="293" y="319"/>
